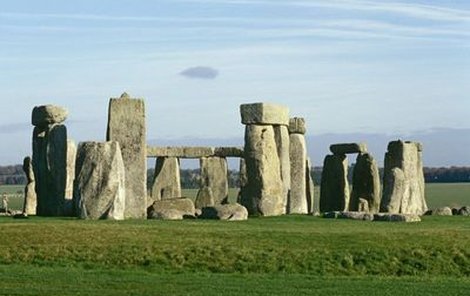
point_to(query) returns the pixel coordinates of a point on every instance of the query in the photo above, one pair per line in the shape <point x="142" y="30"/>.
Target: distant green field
<point x="437" y="194"/>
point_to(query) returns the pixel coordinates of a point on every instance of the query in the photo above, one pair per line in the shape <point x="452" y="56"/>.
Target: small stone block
<point x="297" y="125"/>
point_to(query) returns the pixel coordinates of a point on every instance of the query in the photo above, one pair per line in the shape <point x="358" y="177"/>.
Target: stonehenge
<point x="108" y="180"/>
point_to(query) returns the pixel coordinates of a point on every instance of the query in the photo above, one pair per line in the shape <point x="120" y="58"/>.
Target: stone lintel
<point x="348" y="148"/>
<point x="194" y="152"/>
<point x="264" y="114"/>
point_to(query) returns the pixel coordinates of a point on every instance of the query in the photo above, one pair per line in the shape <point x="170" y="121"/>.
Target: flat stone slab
<point x="160" y="208"/>
<point x="387" y="217"/>
<point x="264" y="114"/>
<point x="48" y="114"/>
<point x="383" y="217"/>
<point x="297" y="125"/>
<point x="348" y="148"/>
<point x="194" y="152"/>
<point x="363" y="216"/>
<point x="230" y="212"/>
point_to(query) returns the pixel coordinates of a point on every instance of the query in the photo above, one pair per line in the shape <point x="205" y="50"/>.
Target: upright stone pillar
<point x="50" y="159"/>
<point x="214" y="172"/>
<point x="281" y="134"/>
<point x="403" y="179"/>
<point x="167" y="181"/>
<point x="310" y="187"/>
<point x="126" y="125"/>
<point x="334" y="190"/>
<point x="30" y="198"/>
<point x="264" y="193"/>
<point x="298" y="167"/>
<point x="366" y="184"/>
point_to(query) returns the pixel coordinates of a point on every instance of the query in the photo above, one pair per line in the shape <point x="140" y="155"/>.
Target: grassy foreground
<point x="261" y="256"/>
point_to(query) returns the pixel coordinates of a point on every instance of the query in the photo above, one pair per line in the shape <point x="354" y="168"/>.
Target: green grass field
<point x="298" y="255"/>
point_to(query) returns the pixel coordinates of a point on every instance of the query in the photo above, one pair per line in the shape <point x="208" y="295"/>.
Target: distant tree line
<point x="191" y="178"/>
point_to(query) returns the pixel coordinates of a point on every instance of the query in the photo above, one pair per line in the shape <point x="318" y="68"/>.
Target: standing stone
<point x="263" y="193"/>
<point x="100" y="182"/>
<point x="30" y="201"/>
<point x="71" y="156"/>
<point x="403" y="179"/>
<point x="310" y="187"/>
<point x="50" y="168"/>
<point x="298" y="161"/>
<point x="214" y="175"/>
<point x="281" y="134"/>
<point x="363" y="205"/>
<point x="334" y="190"/>
<point x="243" y="180"/>
<point x="126" y="125"/>
<point x="204" y="198"/>
<point x="166" y="182"/>
<point x="366" y="183"/>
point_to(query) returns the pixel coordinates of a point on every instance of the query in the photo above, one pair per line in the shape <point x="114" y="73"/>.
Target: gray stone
<point x="70" y="168"/>
<point x="334" y="189"/>
<point x="100" y="181"/>
<point x="43" y="116"/>
<point x="356" y="216"/>
<point x="166" y="181"/>
<point x="444" y="211"/>
<point x="297" y="125"/>
<point x="50" y="169"/>
<point x="194" y="152"/>
<point x="126" y="125"/>
<point x="30" y="198"/>
<point x="348" y="148"/>
<point x="281" y="135"/>
<point x="264" y="114"/>
<point x="403" y="192"/>
<point x="183" y="205"/>
<point x="389" y="217"/>
<point x="243" y="180"/>
<point x="204" y="198"/>
<point x="363" y="205"/>
<point x="263" y="193"/>
<point x="366" y="183"/>
<point x="167" y="214"/>
<point x="310" y="187"/>
<point x="298" y="161"/>
<point x="464" y="211"/>
<point x="214" y="175"/>
<point x="230" y="212"/>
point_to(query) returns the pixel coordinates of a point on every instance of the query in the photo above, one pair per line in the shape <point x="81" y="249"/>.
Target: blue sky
<point x="347" y="66"/>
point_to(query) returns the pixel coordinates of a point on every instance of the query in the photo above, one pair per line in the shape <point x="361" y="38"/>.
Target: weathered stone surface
<point x="334" y="189"/>
<point x="264" y="113"/>
<point x="166" y="181"/>
<point x="297" y="125"/>
<point x="464" y="211"/>
<point x="243" y="179"/>
<point x="281" y="135"/>
<point x="50" y="168"/>
<point x="366" y="183"/>
<point x="30" y="198"/>
<point x="298" y="161"/>
<point x="214" y="175"/>
<point x="443" y="211"/>
<point x="183" y="205"/>
<point x="263" y="193"/>
<point x="194" y="152"/>
<point x="43" y="116"/>
<point x="167" y="214"/>
<point x="71" y="156"/>
<point x="310" y="187"/>
<point x="388" y="217"/>
<point x="348" y="148"/>
<point x="403" y="191"/>
<point x="356" y="216"/>
<point x="230" y="212"/>
<point x="100" y="181"/>
<point x="204" y="198"/>
<point x="363" y="205"/>
<point x="126" y="125"/>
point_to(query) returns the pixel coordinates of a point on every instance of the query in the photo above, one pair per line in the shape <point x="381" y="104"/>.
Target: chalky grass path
<point x="298" y="255"/>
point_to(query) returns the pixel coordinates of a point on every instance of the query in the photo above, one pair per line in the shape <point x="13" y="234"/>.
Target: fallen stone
<point x="348" y="148"/>
<point x="464" y="211"/>
<point x="20" y="216"/>
<point x="100" y="182"/>
<point x="204" y="198"/>
<point x="166" y="214"/>
<point x="297" y="125"/>
<point x="263" y="193"/>
<point x="443" y="211"/>
<point x="334" y="189"/>
<point x="230" y="212"/>
<point x="43" y="116"/>
<point x="366" y="183"/>
<point x="166" y="181"/>
<point x="388" y="217"/>
<point x="126" y="125"/>
<point x="183" y="205"/>
<point x="264" y="114"/>
<point x="298" y="162"/>
<point x="356" y="216"/>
